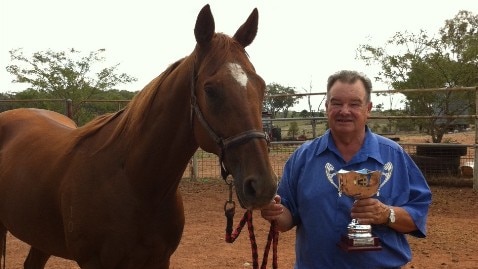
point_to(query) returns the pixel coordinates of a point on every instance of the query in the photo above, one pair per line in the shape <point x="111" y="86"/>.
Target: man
<point x="308" y="195"/>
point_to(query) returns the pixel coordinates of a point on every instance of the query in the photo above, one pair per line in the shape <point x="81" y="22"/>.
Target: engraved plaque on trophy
<point x="359" y="184"/>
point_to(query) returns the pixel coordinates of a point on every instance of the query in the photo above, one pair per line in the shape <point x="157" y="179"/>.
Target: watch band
<point x="391" y="216"/>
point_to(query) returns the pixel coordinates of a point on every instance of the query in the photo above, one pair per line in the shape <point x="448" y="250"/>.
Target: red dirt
<point x="451" y="242"/>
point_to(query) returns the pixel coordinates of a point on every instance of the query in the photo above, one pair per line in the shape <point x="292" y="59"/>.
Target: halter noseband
<point x="223" y="143"/>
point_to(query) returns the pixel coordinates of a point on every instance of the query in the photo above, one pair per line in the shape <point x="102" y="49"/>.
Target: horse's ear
<point x="247" y="32"/>
<point x="204" y="29"/>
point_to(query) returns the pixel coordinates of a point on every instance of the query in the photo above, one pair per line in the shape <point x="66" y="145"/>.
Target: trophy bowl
<point x="359" y="184"/>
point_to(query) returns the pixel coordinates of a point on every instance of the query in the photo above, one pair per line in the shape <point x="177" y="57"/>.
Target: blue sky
<point x="299" y="43"/>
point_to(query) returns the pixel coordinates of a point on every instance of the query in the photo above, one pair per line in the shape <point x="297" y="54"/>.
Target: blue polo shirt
<point x="309" y="190"/>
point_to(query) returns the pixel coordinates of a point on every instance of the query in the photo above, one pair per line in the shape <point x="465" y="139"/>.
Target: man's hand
<point x="272" y="211"/>
<point x="275" y="211"/>
<point x="370" y="211"/>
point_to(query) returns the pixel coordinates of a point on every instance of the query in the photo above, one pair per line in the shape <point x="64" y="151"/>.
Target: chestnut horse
<point x="106" y="194"/>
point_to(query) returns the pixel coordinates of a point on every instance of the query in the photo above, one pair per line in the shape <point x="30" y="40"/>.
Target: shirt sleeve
<point x="288" y="186"/>
<point x="407" y="187"/>
<point x="419" y="198"/>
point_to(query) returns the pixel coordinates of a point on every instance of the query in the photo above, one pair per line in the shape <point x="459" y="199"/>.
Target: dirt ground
<point x="451" y="242"/>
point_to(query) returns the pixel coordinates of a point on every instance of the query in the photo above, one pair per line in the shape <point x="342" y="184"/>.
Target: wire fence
<point x="434" y="160"/>
<point x="449" y="159"/>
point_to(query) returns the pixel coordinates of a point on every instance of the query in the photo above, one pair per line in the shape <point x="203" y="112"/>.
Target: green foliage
<point x="293" y="129"/>
<point x="86" y="110"/>
<point x="69" y="75"/>
<point x="379" y="107"/>
<point x="304" y="113"/>
<point x="65" y="75"/>
<point x="420" y="61"/>
<point x="280" y="103"/>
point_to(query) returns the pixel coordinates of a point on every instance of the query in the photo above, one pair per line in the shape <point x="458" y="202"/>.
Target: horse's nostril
<point x="256" y="193"/>
<point x="250" y="188"/>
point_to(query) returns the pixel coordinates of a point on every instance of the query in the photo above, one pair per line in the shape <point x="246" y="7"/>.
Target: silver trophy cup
<point x="359" y="185"/>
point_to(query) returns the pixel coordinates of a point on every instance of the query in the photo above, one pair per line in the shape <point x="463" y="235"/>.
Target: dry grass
<point x="467" y="137"/>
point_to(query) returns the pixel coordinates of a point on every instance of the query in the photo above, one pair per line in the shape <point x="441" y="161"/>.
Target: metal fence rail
<point x="205" y="165"/>
<point x="453" y="160"/>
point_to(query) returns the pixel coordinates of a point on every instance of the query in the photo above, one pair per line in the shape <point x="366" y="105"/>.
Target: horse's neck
<point x="152" y="139"/>
<point x="166" y="140"/>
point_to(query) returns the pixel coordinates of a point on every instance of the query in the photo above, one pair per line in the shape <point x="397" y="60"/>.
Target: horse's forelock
<point x="223" y="47"/>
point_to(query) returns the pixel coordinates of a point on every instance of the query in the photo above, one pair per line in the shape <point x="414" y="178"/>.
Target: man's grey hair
<point x="350" y="76"/>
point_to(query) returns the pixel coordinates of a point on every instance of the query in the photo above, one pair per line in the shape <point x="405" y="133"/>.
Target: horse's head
<point x="227" y="99"/>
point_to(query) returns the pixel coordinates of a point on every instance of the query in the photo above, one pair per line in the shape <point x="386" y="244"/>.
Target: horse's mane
<point x="141" y="103"/>
<point x="132" y="117"/>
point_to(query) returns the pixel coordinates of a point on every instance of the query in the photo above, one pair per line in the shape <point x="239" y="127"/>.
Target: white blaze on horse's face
<point x="238" y="73"/>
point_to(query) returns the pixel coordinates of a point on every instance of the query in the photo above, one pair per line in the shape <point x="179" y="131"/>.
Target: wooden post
<point x="194" y="167"/>
<point x="69" y="108"/>
<point x="475" y="165"/>
<point x="314" y="128"/>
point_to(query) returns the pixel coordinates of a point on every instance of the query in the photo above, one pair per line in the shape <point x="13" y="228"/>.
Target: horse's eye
<point x="214" y="98"/>
<point x="211" y="92"/>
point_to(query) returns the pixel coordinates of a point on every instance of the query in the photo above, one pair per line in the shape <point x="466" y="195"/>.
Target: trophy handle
<point x="387" y="172"/>
<point x="329" y="171"/>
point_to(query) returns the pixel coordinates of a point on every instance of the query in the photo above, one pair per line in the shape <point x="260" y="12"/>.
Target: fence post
<point x="69" y="108"/>
<point x="475" y="165"/>
<point x="314" y="128"/>
<point x="194" y="167"/>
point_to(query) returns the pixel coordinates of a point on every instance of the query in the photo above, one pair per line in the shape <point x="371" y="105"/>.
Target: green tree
<point x="293" y="129"/>
<point x="379" y="107"/>
<point x="420" y="61"/>
<point x="282" y="102"/>
<point x="8" y="104"/>
<point x="65" y="75"/>
<point x="104" y="102"/>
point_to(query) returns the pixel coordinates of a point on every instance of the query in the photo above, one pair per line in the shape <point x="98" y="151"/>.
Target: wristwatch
<point x="391" y="216"/>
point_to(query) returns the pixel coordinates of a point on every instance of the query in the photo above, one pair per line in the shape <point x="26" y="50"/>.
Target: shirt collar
<point x="370" y="148"/>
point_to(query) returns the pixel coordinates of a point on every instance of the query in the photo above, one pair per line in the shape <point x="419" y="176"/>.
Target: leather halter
<point x="223" y="143"/>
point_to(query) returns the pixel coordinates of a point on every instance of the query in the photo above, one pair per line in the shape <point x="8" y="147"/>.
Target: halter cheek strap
<point x="223" y="143"/>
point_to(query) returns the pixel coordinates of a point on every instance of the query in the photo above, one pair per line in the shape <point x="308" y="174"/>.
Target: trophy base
<point x="359" y="244"/>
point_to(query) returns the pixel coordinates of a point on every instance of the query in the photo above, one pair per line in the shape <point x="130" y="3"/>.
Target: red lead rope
<point x="273" y="236"/>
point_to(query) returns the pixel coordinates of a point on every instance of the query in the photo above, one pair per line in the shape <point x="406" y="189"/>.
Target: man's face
<point x="347" y="107"/>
